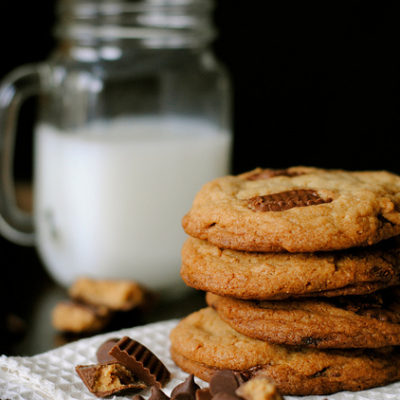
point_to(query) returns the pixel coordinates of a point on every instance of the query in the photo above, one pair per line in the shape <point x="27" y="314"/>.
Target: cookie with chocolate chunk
<point x="300" y="209"/>
<point x="202" y="344"/>
<point x="369" y="321"/>
<point x="267" y="276"/>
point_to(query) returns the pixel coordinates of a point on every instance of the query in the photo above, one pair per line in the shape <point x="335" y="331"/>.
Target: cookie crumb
<point x="258" y="388"/>
<point x="69" y="316"/>
<point x="118" y="295"/>
<point x="96" y="304"/>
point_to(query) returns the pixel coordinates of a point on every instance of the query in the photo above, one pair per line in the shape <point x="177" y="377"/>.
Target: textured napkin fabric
<point x="52" y="375"/>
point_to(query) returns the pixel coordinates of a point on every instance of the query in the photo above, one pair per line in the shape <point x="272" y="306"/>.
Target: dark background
<point x="314" y="84"/>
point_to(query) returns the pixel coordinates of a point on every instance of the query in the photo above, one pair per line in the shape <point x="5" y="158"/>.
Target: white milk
<point x="109" y="198"/>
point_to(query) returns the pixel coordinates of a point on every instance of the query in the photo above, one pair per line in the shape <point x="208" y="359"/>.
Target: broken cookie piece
<point x="108" y="379"/>
<point x="97" y="304"/>
<point x="114" y="294"/>
<point x="74" y="317"/>
<point x="258" y="388"/>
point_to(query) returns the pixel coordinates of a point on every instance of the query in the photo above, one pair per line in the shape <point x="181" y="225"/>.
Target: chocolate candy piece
<point x="270" y="173"/>
<point x="137" y="397"/>
<point x="108" y="379"/>
<point x="226" y="396"/>
<point x="143" y="363"/>
<point x="102" y="352"/>
<point x="203" y="394"/>
<point x="185" y="390"/>
<point x="157" y="394"/>
<point x="285" y="200"/>
<point x="225" y="381"/>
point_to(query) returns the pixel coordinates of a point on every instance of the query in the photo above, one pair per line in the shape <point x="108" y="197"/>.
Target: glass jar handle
<point x="24" y="82"/>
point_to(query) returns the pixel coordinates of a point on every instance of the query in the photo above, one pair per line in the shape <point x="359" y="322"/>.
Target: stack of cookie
<point x="301" y="267"/>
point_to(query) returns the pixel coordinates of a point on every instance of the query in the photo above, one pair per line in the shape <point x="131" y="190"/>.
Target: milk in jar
<point x="133" y="117"/>
<point x="109" y="198"/>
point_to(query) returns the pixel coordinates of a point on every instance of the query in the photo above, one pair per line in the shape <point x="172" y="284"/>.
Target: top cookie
<point x="299" y="209"/>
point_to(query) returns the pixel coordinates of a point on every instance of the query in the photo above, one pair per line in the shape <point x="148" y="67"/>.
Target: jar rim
<point x="170" y="23"/>
<point x="87" y="8"/>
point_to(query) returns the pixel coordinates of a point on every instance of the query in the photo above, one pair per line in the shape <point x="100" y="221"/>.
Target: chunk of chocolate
<point x="157" y="394"/>
<point x="141" y="361"/>
<point x="385" y="274"/>
<point x="225" y="381"/>
<point x="203" y="394"/>
<point x="286" y="200"/>
<point x="102" y="353"/>
<point x="271" y="173"/>
<point x="185" y="390"/>
<point x="226" y="396"/>
<point x="107" y="379"/>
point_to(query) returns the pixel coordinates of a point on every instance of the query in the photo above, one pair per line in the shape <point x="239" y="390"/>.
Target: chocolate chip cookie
<point x="263" y="276"/>
<point x="369" y="321"/>
<point x="202" y="343"/>
<point x="300" y="209"/>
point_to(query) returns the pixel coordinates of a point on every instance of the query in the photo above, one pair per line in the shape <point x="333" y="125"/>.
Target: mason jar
<point x="133" y="117"/>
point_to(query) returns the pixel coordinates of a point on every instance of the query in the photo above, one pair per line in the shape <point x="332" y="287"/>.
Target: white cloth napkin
<point x="52" y="376"/>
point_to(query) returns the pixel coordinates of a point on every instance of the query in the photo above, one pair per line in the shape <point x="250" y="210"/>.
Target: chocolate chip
<point x="102" y="352"/>
<point x="184" y="396"/>
<point x="286" y="200"/>
<point x="382" y="273"/>
<point x="157" y="394"/>
<point x="310" y="341"/>
<point x="319" y="373"/>
<point x="224" y="381"/>
<point x="203" y="394"/>
<point x="185" y="390"/>
<point x="226" y="396"/>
